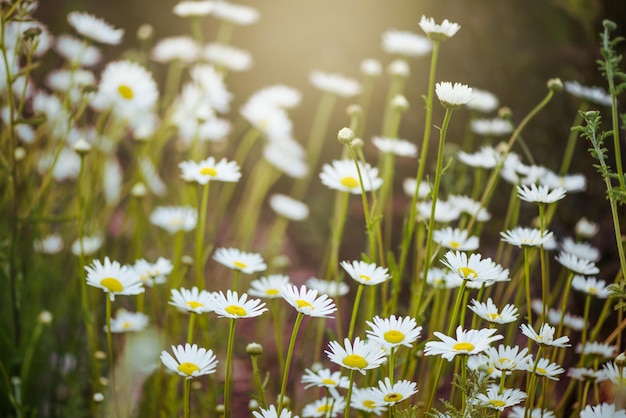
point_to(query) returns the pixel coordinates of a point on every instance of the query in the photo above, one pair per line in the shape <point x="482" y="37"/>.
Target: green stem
<point x="292" y="342"/>
<point x="572" y="138"/>
<point x="187" y="383"/>
<point x="229" y="366"/>
<point x="355" y="309"/>
<point x="529" y="310"/>
<point x="200" y="236"/>
<point x="192" y="322"/>
<point x="346" y="412"/>
<point x="257" y="380"/>
<point x="544" y="265"/>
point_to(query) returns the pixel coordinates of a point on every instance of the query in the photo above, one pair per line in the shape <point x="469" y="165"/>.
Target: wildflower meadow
<point x="171" y="246"/>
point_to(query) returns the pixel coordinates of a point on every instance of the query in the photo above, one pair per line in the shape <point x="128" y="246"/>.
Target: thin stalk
<point x="292" y="342"/>
<point x="529" y="310"/>
<point x="186" y="385"/>
<point x="355" y="309"/>
<point x="200" y="236"/>
<point x="257" y="380"/>
<point x="346" y="412"/>
<point x="229" y="366"/>
<point x="192" y="322"/>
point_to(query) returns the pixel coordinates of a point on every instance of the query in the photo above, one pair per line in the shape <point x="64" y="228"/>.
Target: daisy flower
<point x="285" y="157"/>
<point x="484" y="101"/>
<point x="50" y="244"/>
<point x="336" y="84"/>
<point x="235" y="13"/>
<point x="499" y="401"/>
<point x="576" y="264"/>
<point x="443" y="279"/>
<point x="89" y="245"/>
<point x="342" y="175"/>
<point x="527" y="237"/>
<point x="455" y="239"/>
<point x="614" y="373"/>
<point x="288" y="207"/>
<point x="585" y="228"/>
<point x="582" y="250"/>
<point x="308" y="302"/>
<point x="546" y="369"/>
<point x="174" y="218"/>
<point x="331" y="288"/>
<point x="407" y="44"/>
<point x="153" y="273"/>
<point x="126" y="88"/>
<point x="125" y="321"/>
<point x="233" y="306"/>
<point x="324" y="378"/>
<point x="539" y="194"/>
<point x="95" y="28"/>
<point x="363" y="400"/>
<point x="597" y="349"/>
<point x="325" y="407"/>
<point x="572" y="183"/>
<point x="229" y="57"/>
<point x="545" y="336"/>
<point x="114" y="278"/>
<point x="371" y="67"/>
<point x="583" y="374"/>
<point x="520" y="412"/>
<point x="603" y="410"/>
<point x="438" y="32"/>
<point x="453" y="96"/>
<point x="359" y="356"/>
<point x="489" y="312"/>
<point x="210" y="169"/>
<point x="238" y="260"/>
<point x="491" y="127"/>
<point x="393" y="332"/>
<point x="268" y="287"/>
<point x="76" y="52"/>
<point x="194" y="300"/>
<point x="190" y="361"/>
<point x="592" y="94"/>
<point x="474" y="268"/>
<point x="506" y="358"/>
<point x="410" y="187"/>
<point x="271" y="412"/>
<point x="485" y="157"/>
<point x="444" y="211"/>
<point x="399" y="147"/>
<point x="212" y="86"/>
<point x="181" y="48"/>
<point x="193" y="8"/>
<point x="399" y="68"/>
<point x="591" y="286"/>
<point x="466" y="343"/>
<point x="466" y="204"/>
<point x="391" y="394"/>
<point x="366" y="273"/>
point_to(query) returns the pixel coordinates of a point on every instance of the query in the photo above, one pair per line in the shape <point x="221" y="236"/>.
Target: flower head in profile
<point x="359" y="355"/>
<point x="438" y="32"/>
<point x="539" y="194"/>
<point x="325" y="407"/>
<point x="520" y="412"/>
<point x="363" y="400"/>
<point x="603" y="410"/>
<point x="576" y="264"/>
<point x="190" y="361"/>
<point x="390" y="394"/>
<point x="407" y="44"/>
<point x="289" y="207"/>
<point x="395" y="146"/>
<point x="114" y="278"/>
<point x="239" y="260"/>
<point x="591" y="286"/>
<point x="466" y="343"/>
<point x="174" y="218"/>
<point x="238" y="14"/>
<point x="233" y="306"/>
<point x="593" y="94"/>
<point x="473" y="268"/>
<point x="271" y="412"/>
<point x="325" y="378"/>
<point x="493" y="399"/>
<point x="210" y="170"/>
<point x="453" y="96"/>
<point x="393" y="331"/>
<point x="176" y="48"/>
<point x="95" y="28"/>
<point x="580" y="249"/>
<point x="153" y="273"/>
<point x="331" y="288"/>
<point x="546" y="369"/>
<point x="336" y="84"/>
<point x="368" y="274"/>
<point x="484" y="101"/>
<point x="490" y="313"/>
<point x="270" y="287"/>
<point x="597" y="349"/>
<point x="89" y="245"/>
<point x="614" y="373"/>
<point x="126" y="321"/>
<point x="507" y="358"/>
<point x="455" y="239"/>
<point x="527" y="237"/>
<point x="308" y="302"/>
<point x="545" y="336"/>
<point x="342" y="175"/>
<point x="586" y="228"/>
<point x="192" y="300"/>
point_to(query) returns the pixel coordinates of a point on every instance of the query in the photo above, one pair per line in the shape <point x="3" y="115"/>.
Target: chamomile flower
<point x="269" y="287"/>
<point x="545" y="336"/>
<point x="520" y="412"/>
<point x="325" y="378"/>
<point x="391" y="394"/>
<point x="239" y="260"/>
<point x="285" y="156"/>
<point x="490" y="313"/>
<point x="492" y="399"/>
<point x="289" y="207"/>
<point x="95" y="28"/>
<point x="76" y="52"/>
<point x="444" y="211"/>
<point x="442" y="278"/>
<point x="491" y="127"/>
<point x="597" y="349"/>
<point x="407" y="44"/>
<point x="210" y="170"/>
<point x="591" y="286"/>
<point x="438" y="32"/>
<point x="576" y="264"/>
<point x="125" y="321"/>
<point x="127" y="88"/>
<point x="308" y="302"/>
<point x="410" y="187"/>
<point x="540" y="194"/>
<point x="331" y="288"/>
<point x="484" y="101"/>
<point x="546" y="369"/>
<point x="89" y="245"/>
<point x="507" y="358"/>
<point x="153" y="273"/>
<point x="585" y="228"/>
<point x="603" y="410"/>
<point x="359" y="355"/>
<point x="176" y="48"/>
<point x="593" y="94"/>
<point x="192" y="300"/>
<point x="175" y="218"/>
<point x="399" y="147"/>
<point x="233" y="306"/>
<point x="485" y="157"/>
<point x="235" y="13"/>
<point x="371" y="67"/>
<point x="466" y="204"/>
<point x="468" y="342"/>
<point x="366" y="273"/>
<point x="363" y="400"/>
<point x="229" y="57"/>
<point x="113" y="278"/>
<point x="453" y="96"/>
<point x="615" y="374"/>
<point x="325" y="407"/>
<point x="342" y="175"/>
<point x="50" y="244"/>
<point x="336" y="84"/>
<point x="527" y="237"/>
<point x="271" y="412"/>
<point x="393" y="332"/>
<point x="212" y="86"/>
<point x="193" y="8"/>
<point x="455" y="239"/>
<point x="474" y="268"/>
<point x="582" y="250"/>
<point x="584" y="375"/>
<point x="572" y="183"/>
<point x="190" y="361"/>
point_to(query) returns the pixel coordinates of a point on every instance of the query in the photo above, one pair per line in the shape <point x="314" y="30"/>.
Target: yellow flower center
<point x="369" y="404"/>
<point x="467" y="272"/>
<point x="494" y="316"/>
<point x="188" y="368"/>
<point x="541" y="370"/>
<point x="355" y="361"/>
<point x="593" y="290"/>
<point x="324" y="408"/>
<point x="271" y="292"/>
<point x="208" y="171"/>
<point x="236" y="310"/>
<point x="194" y="304"/>
<point x="393" y="397"/>
<point x="349" y="182"/>
<point x="126" y="325"/>
<point x="239" y="264"/>
<point x="303" y="304"/>
<point x="504" y="360"/>
<point x="454" y="245"/>
<point x="496" y="402"/>
<point x="364" y="277"/>
<point x="125" y="91"/>
<point x="393" y="336"/>
<point x="463" y="346"/>
<point x="329" y="382"/>
<point x="112" y="285"/>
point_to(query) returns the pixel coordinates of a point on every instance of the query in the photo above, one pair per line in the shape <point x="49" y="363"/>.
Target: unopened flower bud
<point x="253" y="405"/>
<point x="399" y="68"/>
<point x="145" y="32"/>
<point x="139" y="190"/>
<point x="219" y="409"/>
<point x="345" y="135"/>
<point x="399" y="102"/>
<point x="98" y="397"/>
<point x="286" y="402"/>
<point x="20" y="153"/>
<point x="555" y="84"/>
<point x="187" y="260"/>
<point x="356" y="143"/>
<point x="620" y="360"/>
<point x="82" y="147"/>
<point x="609" y="24"/>
<point x="371" y="67"/>
<point x="505" y="112"/>
<point x="100" y="355"/>
<point x="44" y="317"/>
<point x="354" y="110"/>
<point x="254" y="349"/>
<point x="31" y="33"/>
